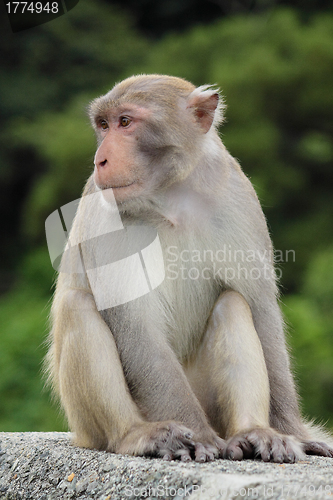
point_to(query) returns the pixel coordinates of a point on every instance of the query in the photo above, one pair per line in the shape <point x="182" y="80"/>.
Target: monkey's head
<point x="150" y="131"/>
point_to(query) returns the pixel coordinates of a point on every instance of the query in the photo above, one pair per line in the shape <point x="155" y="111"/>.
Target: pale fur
<point x="200" y="203"/>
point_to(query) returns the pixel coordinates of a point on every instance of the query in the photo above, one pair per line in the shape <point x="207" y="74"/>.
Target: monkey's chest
<point x="185" y="299"/>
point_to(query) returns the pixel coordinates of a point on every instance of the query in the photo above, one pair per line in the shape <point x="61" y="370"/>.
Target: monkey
<point x="196" y="368"/>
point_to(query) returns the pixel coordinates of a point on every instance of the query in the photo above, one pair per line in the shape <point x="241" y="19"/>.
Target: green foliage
<point x="276" y="74"/>
<point x="23" y="318"/>
<point x="66" y="142"/>
<point x="319" y="281"/>
<point x="311" y="318"/>
<point x="86" y="49"/>
<point x="43" y="70"/>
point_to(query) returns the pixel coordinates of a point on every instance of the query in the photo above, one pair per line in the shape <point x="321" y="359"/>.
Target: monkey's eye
<point x="124" y="121"/>
<point x="104" y="124"/>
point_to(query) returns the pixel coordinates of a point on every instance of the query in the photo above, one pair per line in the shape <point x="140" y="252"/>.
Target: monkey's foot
<point x="170" y="440"/>
<point x="266" y="444"/>
<point x="314" y="448"/>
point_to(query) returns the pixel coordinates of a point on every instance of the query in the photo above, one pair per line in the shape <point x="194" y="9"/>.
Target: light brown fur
<point x="195" y="361"/>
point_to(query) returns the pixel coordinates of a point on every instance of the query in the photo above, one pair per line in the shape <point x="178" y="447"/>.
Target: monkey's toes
<point x="320" y="449"/>
<point x="266" y="444"/>
<point x="271" y="446"/>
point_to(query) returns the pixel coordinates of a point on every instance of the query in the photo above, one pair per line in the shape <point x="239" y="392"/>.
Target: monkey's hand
<point x="169" y="440"/>
<point x="264" y="443"/>
<point x="208" y="446"/>
<point x="314" y="448"/>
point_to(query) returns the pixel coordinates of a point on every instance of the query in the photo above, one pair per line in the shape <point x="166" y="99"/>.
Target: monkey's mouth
<point x="105" y="187"/>
<point x="124" y="192"/>
<point x="124" y="186"/>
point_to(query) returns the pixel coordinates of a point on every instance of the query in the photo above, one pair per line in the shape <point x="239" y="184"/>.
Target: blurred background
<point x="273" y="61"/>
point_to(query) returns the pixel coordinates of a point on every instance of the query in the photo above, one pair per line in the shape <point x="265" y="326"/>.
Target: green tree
<point x="42" y="71"/>
<point x="276" y="74"/>
<point x="49" y="74"/>
<point x="275" y="71"/>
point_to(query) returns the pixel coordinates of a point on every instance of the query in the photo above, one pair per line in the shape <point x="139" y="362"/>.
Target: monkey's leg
<point x="231" y="364"/>
<point x="93" y="389"/>
<point x="284" y="408"/>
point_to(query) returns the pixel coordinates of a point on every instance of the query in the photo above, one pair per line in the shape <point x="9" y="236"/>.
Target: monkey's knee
<point x="231" y="318"/>
<point x="232" y="325"/>
<point x="231" y="302"/>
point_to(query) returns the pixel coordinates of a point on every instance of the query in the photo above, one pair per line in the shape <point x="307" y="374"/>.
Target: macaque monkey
<point x="196" y="368"/>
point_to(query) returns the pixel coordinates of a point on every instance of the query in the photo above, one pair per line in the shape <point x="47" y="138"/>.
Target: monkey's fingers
<point x="320" y="449"/>
<point x="205" y="452"/>
<point x="174" y="440"/>
<point x="184" y="454"/>
<point x="221" y="446"/>
<point x="178" y="443"/>
<point x="238" y="448"/>
<point x="187" y="438"/>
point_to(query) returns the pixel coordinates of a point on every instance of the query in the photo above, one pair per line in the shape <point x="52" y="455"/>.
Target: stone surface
<point x="46" y="466"/>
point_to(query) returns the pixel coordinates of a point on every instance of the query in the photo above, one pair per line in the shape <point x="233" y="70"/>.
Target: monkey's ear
<point x="206" y="107"/>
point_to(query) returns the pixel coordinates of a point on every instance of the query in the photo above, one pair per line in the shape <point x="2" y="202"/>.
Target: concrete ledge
<point x="46" y="466"/>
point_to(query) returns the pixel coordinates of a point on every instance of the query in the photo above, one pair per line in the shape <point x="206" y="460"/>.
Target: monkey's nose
<point x="100" y="164"/>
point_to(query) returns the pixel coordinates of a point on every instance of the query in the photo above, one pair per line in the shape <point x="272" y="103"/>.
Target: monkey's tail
<point x="318" y="433"/>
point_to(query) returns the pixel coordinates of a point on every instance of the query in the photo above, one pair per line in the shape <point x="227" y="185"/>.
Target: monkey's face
<point x="118" y="162"/>
<point x="141" y="150"/>
<point x="150" y="131"/>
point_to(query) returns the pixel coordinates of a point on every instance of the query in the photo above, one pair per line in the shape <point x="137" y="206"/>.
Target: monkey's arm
<point x="157" y="380"/>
